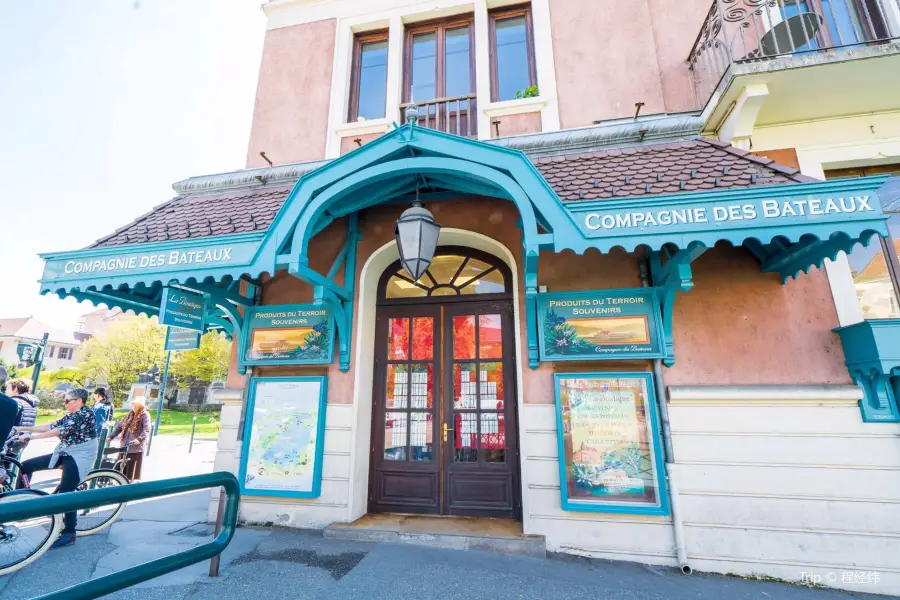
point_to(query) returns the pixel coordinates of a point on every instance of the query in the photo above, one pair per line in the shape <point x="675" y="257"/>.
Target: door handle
<point x="445" y="430"/>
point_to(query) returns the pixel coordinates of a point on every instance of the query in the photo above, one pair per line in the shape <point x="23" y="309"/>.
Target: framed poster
<point x="284" y="437"/>
<point x="610" y="453"/>
<point x="600" y="325"/>
<point x="290" y="334"/>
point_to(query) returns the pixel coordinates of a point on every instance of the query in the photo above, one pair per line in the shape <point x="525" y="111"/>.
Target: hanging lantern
<point x="417" y="237"/>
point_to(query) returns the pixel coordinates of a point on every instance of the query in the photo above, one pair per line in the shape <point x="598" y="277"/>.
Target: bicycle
<point x="23" y="542"/>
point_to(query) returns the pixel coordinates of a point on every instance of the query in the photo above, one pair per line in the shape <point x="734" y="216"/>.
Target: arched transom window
<point x="453" y="272"/>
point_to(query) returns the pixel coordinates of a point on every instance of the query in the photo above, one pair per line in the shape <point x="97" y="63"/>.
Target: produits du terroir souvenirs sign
<point x="600" y="325"/>
<point x="179" y="308"/>
<point x="181" y="339"/>
<point x="289" y="334"/>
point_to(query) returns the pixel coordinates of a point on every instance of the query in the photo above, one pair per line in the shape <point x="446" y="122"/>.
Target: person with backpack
<point x="19" y="389"/>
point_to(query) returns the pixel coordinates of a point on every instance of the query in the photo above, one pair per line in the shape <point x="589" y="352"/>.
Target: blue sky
<point x="103" y="105"/>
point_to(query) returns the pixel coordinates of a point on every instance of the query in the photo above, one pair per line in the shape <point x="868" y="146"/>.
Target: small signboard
<point x="290" y="334"/>
<point x="284" y="437"/>
<point x="181" y="339"/>
<point x="26" y="352"/>
<point x="601" y="325"/>
<point x="610" y="457"/>
<point x="179" y="308"/>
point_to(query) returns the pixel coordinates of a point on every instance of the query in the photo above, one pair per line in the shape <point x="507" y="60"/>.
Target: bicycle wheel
<point x="23" y="542"/>
<point x="97" y="519"/>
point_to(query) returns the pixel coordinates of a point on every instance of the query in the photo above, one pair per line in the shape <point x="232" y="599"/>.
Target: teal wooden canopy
<point x="790" y="228"/>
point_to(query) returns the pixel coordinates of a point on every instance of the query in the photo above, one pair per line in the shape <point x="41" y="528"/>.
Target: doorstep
<point x="457" y="533"/>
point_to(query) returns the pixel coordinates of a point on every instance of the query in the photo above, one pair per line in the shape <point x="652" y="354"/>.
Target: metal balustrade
<point x="454" y="114"/>
<point x="74" y="501"/>
<point x="738" y="31"/>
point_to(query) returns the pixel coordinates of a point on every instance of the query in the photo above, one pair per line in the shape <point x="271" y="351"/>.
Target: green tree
<point x="50" y="379"/>
<point x="122" y="353"/>
<point x="202" y="365"/>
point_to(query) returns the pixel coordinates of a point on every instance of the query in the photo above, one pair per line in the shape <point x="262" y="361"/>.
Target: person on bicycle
<point x="19" y="389"/>
<point x="103" y="408"/>
<point x="75" y="453"/>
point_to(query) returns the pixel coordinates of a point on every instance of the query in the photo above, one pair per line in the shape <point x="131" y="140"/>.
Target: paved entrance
<point x="302" y="565"/>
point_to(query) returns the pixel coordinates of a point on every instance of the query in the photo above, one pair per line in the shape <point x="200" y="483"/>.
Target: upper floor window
<point x="65" y="353"/>
<point x="440" y="61"/>
<point x="369" y="76"/>
<point x="52" y="348"/>
<point x="512" y="54"/>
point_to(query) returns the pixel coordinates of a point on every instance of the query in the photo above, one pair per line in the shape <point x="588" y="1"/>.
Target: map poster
<point x="602" y="324"/>
<point x="284" y="437"/>
<point x="609" y="443"/>
<point x="290" y="334"/>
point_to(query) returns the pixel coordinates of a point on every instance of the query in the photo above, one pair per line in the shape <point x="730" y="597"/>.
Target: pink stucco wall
<point x="741" y="326"/>
<point x="675" y="27"/>
<point x="605" y="60"/>
<point x="290" y="117"/>
<point x="610" y="54"/>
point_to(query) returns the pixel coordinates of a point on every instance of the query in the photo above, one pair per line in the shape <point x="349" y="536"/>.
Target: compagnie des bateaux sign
<point x="123" y="263"/>
<point x="602" y="324"/>
<point x="750" y="212"/>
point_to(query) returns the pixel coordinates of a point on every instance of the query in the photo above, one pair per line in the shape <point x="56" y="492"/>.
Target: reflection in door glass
<point x="422" y="384"/>
<point x="466" y="434"/>
<point x="423" y="338"/>
<point x="493" y="437"/>
<point x="397" y="386"/>
<point x="491" y="378"/>
<point x="420" y="436"/>
<point x="395" y="436"/>
<point x="398" y="339"/>
<point x="464" y="337"/>
<point x="490" y="337"/>
<point x="464" y="386"/>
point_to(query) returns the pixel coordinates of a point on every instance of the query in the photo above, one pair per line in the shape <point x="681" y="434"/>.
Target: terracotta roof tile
<point x="622" y="172"/>
<point x="662" y="167"/>
<point x="183" y="217"/>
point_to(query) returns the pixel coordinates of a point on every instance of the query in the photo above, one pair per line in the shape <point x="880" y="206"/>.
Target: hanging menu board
<point x="609" y="446"/>
<point x="288" y="334"/>
<point x="284" y="437"/>
<point x="601" y="325"/>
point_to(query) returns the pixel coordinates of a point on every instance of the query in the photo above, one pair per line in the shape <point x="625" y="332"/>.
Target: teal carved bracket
<point x="672" y="275"/>
<point x="339" y="298"/>
<point x="531" y="255"/>
<point x="872" y="353"/>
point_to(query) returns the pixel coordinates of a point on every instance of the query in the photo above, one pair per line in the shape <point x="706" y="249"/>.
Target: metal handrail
<point x="74" y="501"/>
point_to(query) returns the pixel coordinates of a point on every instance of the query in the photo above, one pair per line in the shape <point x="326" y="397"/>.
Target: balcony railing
<point x="738" y="31"/>
<point x="454" y="114"/>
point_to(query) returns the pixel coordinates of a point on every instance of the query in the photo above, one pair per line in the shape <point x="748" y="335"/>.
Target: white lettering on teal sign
<point x="124" y="263"/>
<point x="182" y="309"/>
<point x="729" y="213"/>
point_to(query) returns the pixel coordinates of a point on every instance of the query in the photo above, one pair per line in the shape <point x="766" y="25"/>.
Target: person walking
<point x="19" y="389"/>
<point x="103" y="408"/>
<point x="134" y="429"/>
<point x="75" y="453"/>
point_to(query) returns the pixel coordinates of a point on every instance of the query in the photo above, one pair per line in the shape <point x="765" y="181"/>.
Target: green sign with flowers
<point x="601" y="325"/>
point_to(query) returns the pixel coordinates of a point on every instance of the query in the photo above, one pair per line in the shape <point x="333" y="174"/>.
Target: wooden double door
<point x="444" y="418"/>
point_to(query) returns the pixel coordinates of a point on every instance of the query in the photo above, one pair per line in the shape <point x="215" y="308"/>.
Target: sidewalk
<point x="272" y="564"/>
